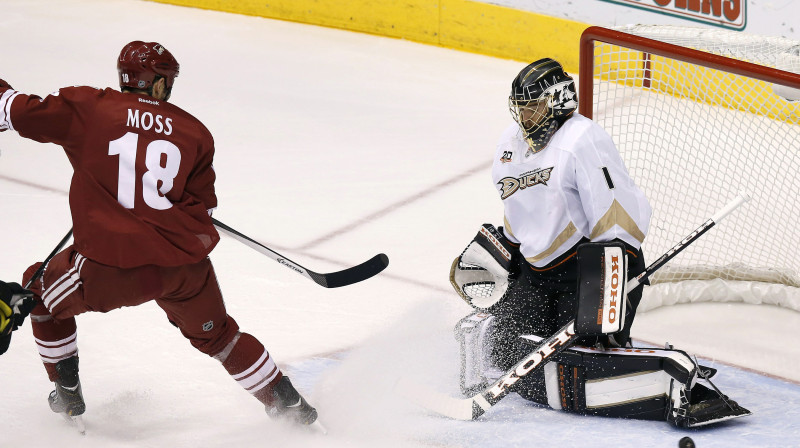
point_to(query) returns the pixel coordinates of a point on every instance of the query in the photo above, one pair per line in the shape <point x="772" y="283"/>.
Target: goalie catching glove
<point x="481" y="274"/>
<point x="16" y="303"/>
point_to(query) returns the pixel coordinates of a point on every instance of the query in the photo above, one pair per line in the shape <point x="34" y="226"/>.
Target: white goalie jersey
<point x="576" y="187"/>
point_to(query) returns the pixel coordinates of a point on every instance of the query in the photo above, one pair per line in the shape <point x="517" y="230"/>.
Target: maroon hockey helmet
<point x="140" y="62"/>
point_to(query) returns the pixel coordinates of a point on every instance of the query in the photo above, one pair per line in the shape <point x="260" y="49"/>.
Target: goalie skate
<point x="703" y="406"/>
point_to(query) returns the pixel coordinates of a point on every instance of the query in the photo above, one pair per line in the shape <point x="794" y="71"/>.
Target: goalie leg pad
<point x="636" y="383"/>
<point x="640" y="383"/>
<point x="565" y="384"/>
<point x="474" y="334"/>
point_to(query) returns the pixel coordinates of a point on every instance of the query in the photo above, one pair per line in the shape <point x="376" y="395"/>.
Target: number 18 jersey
<point x="143" y="182"/>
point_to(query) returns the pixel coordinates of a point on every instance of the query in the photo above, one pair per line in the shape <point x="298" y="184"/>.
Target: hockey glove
<point x="16" y="303"/>
<point x="482" y="273"/>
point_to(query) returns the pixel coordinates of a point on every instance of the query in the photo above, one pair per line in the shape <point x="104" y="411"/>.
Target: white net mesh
<point x="693" y="137"/>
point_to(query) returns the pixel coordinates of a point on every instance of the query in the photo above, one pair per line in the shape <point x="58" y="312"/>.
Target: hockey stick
<point x="473" y="407"/>
<point x="344" y="277"/>
<point x="58" y="248"/>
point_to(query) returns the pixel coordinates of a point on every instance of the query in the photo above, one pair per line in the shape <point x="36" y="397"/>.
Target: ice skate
<point x="287" y="404"/>
<point x="704" y="406"/>
<point x="67" y="398"/>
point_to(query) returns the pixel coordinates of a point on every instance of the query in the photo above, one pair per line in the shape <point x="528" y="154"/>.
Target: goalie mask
<point x="542" y="99"/>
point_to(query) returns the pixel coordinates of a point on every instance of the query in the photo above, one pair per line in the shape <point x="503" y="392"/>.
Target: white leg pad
<point x="626" y="388"/>
<point x="474" y="336"/>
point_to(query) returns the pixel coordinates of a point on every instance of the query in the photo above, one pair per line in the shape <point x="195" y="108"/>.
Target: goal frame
<point x="650" y="46"/>
<point x="669" y="293"/>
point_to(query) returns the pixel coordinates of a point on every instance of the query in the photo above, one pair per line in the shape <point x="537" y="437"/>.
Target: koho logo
<point x="502" y="386"/>
<point x="615" y="291"/>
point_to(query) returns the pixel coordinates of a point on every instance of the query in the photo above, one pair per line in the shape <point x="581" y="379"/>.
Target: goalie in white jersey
<point x="562" y="183"/>
<point x="566" y="193"/>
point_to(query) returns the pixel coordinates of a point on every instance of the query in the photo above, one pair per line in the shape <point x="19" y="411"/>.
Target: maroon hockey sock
<point x="252" y="367"/>
<point x="55" y="339"/>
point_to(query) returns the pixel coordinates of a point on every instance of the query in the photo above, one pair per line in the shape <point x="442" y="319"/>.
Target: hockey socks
<point x="249" y="363"/>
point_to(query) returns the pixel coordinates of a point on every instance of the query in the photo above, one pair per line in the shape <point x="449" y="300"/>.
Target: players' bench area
<point x="458" y="24"/>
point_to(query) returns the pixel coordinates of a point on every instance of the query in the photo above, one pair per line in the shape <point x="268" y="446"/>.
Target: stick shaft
<point x="58" y="248"/>
<point x="247" y="241"/>
<point x="684" y="243"/>
<point x="337" y="279"/>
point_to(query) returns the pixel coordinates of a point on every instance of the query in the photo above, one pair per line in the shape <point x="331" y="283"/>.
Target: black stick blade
<point x="355" y="274"/>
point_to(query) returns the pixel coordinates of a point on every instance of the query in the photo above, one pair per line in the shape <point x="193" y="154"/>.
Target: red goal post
<point x="698" y="115"/>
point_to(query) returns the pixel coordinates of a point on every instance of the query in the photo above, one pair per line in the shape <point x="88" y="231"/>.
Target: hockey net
<point x="700" y="115"/>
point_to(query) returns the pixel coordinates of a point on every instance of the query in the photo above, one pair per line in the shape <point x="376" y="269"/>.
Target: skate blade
<point x="740" y="413"/>
<point x="76" y="421"/>
<point x="318" y="428"/>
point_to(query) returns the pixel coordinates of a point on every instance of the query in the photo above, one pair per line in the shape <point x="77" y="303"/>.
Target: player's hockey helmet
<point x="542" y="99"/>
<point x="140" y="64"/>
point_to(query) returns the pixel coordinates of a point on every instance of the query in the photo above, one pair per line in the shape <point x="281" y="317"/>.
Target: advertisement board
<point x="769" y="18"/>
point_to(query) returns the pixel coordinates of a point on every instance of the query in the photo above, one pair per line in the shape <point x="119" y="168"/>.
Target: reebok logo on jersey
<point x="510" y="185"/>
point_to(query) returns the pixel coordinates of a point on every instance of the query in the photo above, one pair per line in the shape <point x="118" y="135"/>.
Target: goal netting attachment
<point x="699" y="115"/>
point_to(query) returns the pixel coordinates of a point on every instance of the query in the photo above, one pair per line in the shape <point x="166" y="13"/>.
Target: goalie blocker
<point x="602" y="276"/>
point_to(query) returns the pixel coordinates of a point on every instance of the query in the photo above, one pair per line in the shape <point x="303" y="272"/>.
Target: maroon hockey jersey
<point x="143" y="181"/>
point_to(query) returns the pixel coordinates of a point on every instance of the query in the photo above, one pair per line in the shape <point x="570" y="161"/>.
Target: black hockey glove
<point x="16" y="303"/>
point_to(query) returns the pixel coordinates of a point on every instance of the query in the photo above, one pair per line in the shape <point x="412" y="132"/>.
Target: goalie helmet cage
<point x="699" y="114"/>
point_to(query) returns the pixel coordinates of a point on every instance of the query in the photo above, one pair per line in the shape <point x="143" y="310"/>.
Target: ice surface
<point x="331" y="147"/>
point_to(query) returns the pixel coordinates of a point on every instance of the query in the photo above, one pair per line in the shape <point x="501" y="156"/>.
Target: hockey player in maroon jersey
<point x="141" y="199"/>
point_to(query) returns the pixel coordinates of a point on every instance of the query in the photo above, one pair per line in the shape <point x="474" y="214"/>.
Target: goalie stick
<point x="344" y="277"/>
<point x="473" y="407"/>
